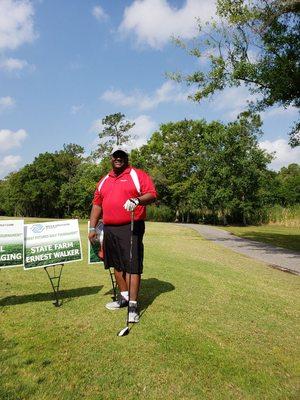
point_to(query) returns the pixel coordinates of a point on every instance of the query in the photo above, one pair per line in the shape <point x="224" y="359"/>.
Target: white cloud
<point x="75" y="65"/>
<point x="75" y="109"/>
<point x="6" y="102"/>
<point x="232" y="101"/>
<point x="290" y="111"/>
<point x="8" y="164"/>
<point x="168" y="92"/>
<point x="13" y="64"/>
<point x="99" y="13"/>
<point x="142" y="130"/>
<point x="96" y="126"/>
<point x="154" y="21"/>
<point x="10" y="139"/>
<point x="16" y="23"/>
<point x="284" y="154"/>
<point x="117" y="97"/>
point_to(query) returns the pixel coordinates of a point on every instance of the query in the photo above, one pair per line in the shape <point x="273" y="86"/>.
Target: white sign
<point x="11" y="243"/>
<point x="95" y="249"/>
<point x="52" y="243"/>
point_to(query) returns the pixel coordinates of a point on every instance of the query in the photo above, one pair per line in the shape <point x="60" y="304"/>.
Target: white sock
<point x="133" y="303"/>
<point x="125" y="295"/>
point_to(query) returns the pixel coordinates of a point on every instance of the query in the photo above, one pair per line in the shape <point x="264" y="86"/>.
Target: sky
<point x="66" y="64"/>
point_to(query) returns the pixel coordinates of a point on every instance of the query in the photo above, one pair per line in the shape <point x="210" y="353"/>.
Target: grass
<point x="282" y="236"/>
<point x="285" y="216"/>
<point x="214" y="325"/>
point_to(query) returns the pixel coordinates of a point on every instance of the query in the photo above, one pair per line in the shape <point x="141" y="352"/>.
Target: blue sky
<point x="65" y="64"/>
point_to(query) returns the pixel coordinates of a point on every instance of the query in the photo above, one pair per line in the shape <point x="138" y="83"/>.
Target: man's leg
<point x="122" y="285"/>
<point x="135" y="279"/>
<point x="121" y="280"/>
<point x="134" y="286"/>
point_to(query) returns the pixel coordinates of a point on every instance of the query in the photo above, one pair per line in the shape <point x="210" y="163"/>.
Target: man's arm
<point x="146" y="199"/>
<point x="94" y="218"/>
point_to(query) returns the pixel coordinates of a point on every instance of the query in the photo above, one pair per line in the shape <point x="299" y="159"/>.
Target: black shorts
<point x="116" y="244"/>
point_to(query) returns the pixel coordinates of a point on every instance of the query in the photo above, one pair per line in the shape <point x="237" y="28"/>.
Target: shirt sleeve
<point x="147" y="185"/>
<point x="97" y="201"/>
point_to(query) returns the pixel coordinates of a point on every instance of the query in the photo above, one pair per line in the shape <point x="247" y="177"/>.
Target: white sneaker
<point x="115" y="305"/>
<point x="133" y="314"/>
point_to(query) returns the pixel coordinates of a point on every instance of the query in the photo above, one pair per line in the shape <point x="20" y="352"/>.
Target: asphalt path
<point x="278" y="257"/>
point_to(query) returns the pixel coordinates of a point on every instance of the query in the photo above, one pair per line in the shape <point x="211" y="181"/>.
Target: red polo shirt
<point x="116" y="190"/>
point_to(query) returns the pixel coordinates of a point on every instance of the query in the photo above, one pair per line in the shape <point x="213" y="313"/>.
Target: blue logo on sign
<point x="38" y="228"/>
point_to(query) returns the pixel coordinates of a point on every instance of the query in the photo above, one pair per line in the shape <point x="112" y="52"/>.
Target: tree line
<point x="204" y="172"/>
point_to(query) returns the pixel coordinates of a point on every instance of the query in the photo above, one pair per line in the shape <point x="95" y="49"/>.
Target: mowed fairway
<point x="214" y="325"/>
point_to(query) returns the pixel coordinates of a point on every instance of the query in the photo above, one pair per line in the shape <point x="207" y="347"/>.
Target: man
<point x="124" y="190"/>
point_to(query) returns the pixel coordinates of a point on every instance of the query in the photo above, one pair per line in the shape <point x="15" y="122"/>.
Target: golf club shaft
<point x="125" y="331"/>
<point x="130" y="259"/>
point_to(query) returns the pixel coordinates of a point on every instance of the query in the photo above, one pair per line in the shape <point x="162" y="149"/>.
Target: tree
<point x="76" y="195"/>
<point x="35" y="190"/>
<point x="255" y="42"/>
<point x="214" y="167"/>
<point x="113" y="133"/>
<point x="289" y="191"/>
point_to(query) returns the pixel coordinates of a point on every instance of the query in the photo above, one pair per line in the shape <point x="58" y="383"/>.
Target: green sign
<point x="52" y="243"/>
<point x="11" y="243"/>
<point x="95" y="249"/>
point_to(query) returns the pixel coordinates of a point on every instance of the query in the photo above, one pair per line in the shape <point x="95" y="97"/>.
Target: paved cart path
<point x="284" y="259"/>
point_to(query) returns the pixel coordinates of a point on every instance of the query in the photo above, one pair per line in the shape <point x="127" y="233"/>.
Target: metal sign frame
<point x="55" y="282"/>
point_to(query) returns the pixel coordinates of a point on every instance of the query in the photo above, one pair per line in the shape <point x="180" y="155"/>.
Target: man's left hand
<point x="131" y="204"/>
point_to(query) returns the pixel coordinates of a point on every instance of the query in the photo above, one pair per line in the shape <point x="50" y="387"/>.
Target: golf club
<point x="125" y="331"/>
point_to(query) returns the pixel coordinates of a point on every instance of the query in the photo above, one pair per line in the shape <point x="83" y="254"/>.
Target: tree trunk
<point x="244" y="219"/>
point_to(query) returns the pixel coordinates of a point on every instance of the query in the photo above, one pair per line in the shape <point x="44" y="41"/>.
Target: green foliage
<point x="198" y="166"/>
<point x="254" y="42"/>
<point x="113" y="133"/>
<point x="284" y="216"/>
<point x="289" y="178"/>
<point x="76" y="195"/>
<point x="160" y="213"/>
<point x="35" y="190"/>
<point x="204" y="172"/>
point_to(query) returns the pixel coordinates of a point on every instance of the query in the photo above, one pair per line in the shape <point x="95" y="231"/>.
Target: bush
<point x="285" y="216"/>
<point x="160" y="213"/>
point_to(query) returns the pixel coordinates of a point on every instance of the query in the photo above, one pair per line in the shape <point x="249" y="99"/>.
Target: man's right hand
<point x="92" y="236"/>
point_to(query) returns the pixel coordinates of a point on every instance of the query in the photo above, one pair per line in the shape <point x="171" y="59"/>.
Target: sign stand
<point x="55" y="281"/>
<point x="114" y="284"/>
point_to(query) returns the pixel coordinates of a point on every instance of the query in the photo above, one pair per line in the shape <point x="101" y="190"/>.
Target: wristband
<point x="92" y="229"/>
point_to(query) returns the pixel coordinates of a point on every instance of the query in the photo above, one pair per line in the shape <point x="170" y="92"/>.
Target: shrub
<point x="160" y="213"/>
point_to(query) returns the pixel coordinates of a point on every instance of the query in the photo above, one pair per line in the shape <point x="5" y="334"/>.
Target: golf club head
<point x="124" y="332"/>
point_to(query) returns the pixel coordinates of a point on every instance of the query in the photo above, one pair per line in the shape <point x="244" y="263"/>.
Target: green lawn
<point x="288" y="237"/>
<point x="214" y="325"/>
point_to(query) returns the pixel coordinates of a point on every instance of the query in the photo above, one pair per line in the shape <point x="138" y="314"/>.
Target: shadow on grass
<point x="151" y="288"/>
<point x="259" y="243"/>
<point x="65" y="295"/>
<point x="288" y="241"/>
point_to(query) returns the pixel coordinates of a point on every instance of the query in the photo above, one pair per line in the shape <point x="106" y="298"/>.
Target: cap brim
<point x="119" y="151"/>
